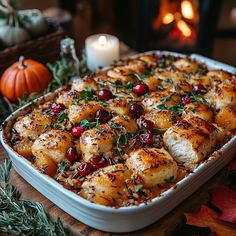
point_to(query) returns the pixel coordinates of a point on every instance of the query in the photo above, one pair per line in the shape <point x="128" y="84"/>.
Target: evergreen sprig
<point x="23" y="217"/>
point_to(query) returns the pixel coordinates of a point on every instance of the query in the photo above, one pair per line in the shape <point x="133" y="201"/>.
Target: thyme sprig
<point x="23" y="217"/>
<point x="87" y="95"/>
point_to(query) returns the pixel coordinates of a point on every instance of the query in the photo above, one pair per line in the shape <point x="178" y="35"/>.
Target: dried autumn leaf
<point x="206" y="217"/>
<point x="232" y="165"/>
<point x="225" y="199"/>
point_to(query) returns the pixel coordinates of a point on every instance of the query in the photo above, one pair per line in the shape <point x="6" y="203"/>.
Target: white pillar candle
<point x="101" y="50"/>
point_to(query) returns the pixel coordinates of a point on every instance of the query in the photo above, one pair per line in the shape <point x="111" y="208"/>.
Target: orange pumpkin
<point x="24" y="76"/>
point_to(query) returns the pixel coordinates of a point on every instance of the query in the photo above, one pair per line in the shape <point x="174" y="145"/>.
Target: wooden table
<point x="165" y="226"/>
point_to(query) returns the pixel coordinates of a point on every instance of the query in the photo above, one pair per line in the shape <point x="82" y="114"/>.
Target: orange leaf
<point x="225" y="199"/>
<point x="206" y="217"/>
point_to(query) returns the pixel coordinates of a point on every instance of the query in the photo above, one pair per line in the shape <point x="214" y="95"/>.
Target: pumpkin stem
<point x="21" y="65"/>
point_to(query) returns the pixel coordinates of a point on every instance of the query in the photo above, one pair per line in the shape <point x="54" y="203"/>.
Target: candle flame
<point x="184" y="28"/>
<point x="168" y="18"/>
<point x="102" y="40"/>
<point x="187" y="9"/>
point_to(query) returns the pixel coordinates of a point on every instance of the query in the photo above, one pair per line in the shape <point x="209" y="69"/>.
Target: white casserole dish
<point x="124" y="219"/>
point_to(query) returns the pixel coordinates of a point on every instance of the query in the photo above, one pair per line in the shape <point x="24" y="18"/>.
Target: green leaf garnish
<point x="62" y="166"/>
<point x="86" y="95"/>
<point x="138" y="187"/>
<point x="162" y="107"/>
<point x="87" y="124"/>
<point x="170" y="180"/>
<point x="160" y="87"/>
<point x="61" y="117"/>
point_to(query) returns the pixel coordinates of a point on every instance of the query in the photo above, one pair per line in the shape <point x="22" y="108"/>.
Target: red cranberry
<point x="57" y="108"/>
<point x="72" y="154"/>
<point x="146" y="139"/>
<point x="85" y="169"/>
<point x="185" y="100"/>
<point x="199" y="88"/>
<point x="102" y="116"/>
<point x="140" y="89"/>
<point x="136" y="110"/>
<point x="77" y="131"/>
<point x="98" y="161"/>
<point x="105" y="94"/>
<point x="147" y="124"/>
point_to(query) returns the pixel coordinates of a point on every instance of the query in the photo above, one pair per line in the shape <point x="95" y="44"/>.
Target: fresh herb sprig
<point x="87" y="95"/>
<point x="23" y="217"/>
<point x="61" y="74"/>
<point x="178" y="108"/>
<point x="89" y="124"/>
<point x="198" y="98"/>
<point x="121" y="142"/>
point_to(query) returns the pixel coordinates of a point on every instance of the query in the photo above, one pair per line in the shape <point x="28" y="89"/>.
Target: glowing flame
<point x="184" y="28"/>
<point x="102" y="40"/>
<point x="168" y="18"/>
<point x="187" y="9"/>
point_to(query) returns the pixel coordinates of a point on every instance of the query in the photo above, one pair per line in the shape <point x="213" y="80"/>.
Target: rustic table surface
<point x="165" y="226"/>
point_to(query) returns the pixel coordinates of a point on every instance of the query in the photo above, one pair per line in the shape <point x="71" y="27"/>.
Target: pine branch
<point x="5" y="169"/>
<point x="23" y="217"/>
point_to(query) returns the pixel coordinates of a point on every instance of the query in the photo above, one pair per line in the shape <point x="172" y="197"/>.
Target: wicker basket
<point x="43" y="49"/>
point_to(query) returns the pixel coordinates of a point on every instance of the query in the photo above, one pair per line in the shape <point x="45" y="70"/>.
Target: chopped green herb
<point x="62" y="166"/>
<point x="122" y="140"/>
<point x="162" y="107"/>
<point x="165" y="99"/>
<point x="169" y="81"/>
<point x="114" y="171"/>
<point x="56" y="126"/>
<point x="104" y="103"/>
<point x="177" y="108"/>
<point x="160" y="87"/>
<point x="87" y="124"/>
<point x="61" y="117"/>
<point x="86" y="95"/>
<point x="129" y="86"/>
<point x="201" y="71"/>
<point x="100" y="131"/>
<point x="116" y="126"/>
<point x="138" y="187"/>
<point x="194" y="110"/>
<point x="198" y="98"/>
<point x="177" y="87"/>
<point x="147" y="72"/>
<point x="170" y="180"/>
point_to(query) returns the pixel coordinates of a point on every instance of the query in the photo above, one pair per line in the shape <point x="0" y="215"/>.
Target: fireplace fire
<point x="178" y="20"/>
<point x="185" y="26"/>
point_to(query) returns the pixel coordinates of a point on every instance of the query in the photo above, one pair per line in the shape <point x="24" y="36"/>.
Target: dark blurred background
<point x="207" y="27"/>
